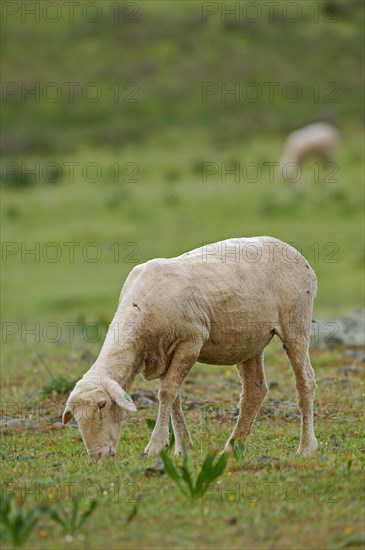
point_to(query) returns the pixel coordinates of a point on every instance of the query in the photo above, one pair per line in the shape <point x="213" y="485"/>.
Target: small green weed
<point x="71" y="518"/>
<point x="17" y="523"/>
<point x="238" y="448"/>
<point x="210" y="471"/>
<point x="346" y="467"/>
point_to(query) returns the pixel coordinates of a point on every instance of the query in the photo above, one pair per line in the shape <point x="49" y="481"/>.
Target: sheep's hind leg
<point x="298" y="354"/>
<point x="181" y="432"/>
<point x="254" y="391"/>
<point x="184" y="358"/>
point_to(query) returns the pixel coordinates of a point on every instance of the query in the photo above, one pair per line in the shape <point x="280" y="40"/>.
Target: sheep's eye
<point x="102" y="404"/>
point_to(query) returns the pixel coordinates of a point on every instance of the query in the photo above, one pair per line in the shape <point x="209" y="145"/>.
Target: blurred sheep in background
<point x="319" y="140"/>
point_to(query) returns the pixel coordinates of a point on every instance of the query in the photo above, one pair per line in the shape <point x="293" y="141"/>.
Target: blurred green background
<point x="112" y="112"/>
<point x="138" y="71"/>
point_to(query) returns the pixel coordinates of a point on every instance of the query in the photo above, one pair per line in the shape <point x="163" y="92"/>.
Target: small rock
<point x="194" y="405"/>
<point x="147" y="396"/>
<point x="350" y="370"/>
<point x="269" y="411"/>
<point x="354" y="328"/>
<point x="290" y="415"/>
<point x="357" y="354"/>
<point x="348" y="330"/>
<point x="144" y="402"/>
<point x="15" y="422"/>
<point x="153" y="472"/>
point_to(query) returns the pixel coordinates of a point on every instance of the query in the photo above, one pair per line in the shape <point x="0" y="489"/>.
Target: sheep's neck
<point x="118" y="363"/>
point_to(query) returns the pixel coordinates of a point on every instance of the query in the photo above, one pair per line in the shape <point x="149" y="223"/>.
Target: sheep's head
<point x="98" y="407"/>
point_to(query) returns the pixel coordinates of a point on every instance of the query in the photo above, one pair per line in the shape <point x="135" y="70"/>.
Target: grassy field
<point x="266" y="502"/>
<point x="168" y="210"/>
<point x="273" y="500"/>
<point x="120" y="183"/>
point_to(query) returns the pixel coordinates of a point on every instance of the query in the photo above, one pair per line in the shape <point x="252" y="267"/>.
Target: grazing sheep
<point x="219" y="304"/>
<point x="315" y="140"/>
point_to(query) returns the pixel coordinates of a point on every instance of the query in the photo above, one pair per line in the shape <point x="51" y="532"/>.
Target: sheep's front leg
<point x="184" y="358"/>
<point x="160" y="435"/>
<point x="181" y="432"/>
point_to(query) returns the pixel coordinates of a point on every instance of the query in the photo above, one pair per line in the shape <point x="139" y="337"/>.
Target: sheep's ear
<point x="121" y="398"/>
<point x="67" y="415"/>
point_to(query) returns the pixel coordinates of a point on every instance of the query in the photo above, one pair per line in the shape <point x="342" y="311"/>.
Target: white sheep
<point x="315" y="140"/>
<point x="219" y="304"/>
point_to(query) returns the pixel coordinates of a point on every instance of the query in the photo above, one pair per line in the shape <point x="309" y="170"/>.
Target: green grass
<point x="55" y="313"/>
<point x="145" y="222"/>
<point x="168" y="54"/>
<point x="261" y="503"/>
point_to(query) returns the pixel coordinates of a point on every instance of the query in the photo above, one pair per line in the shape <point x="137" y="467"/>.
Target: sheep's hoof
<point x="179" y="450"/>
<point x="308" y="450"/>
<point x="154" y="449"/>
